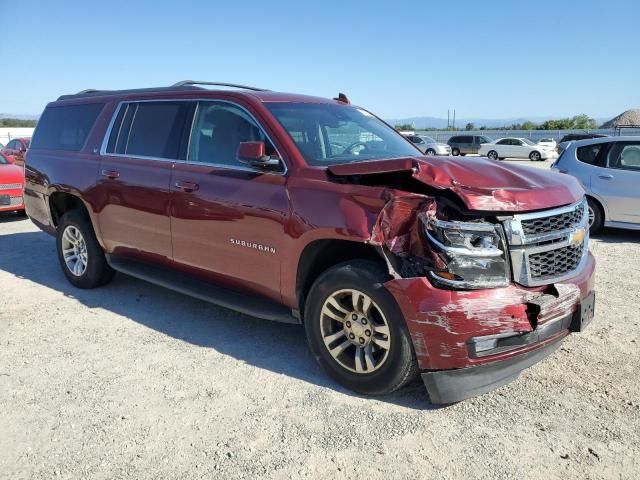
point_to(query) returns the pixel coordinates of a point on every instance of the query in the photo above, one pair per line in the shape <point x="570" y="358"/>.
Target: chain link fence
<point x="533" y="135"/>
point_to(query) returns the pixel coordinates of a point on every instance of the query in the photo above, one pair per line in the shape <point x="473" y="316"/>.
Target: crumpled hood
<point x="480" y="183"/>
<point x="10" y="173"/>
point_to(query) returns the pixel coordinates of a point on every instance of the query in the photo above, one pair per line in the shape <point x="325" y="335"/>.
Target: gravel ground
<point x="134" y="381"/>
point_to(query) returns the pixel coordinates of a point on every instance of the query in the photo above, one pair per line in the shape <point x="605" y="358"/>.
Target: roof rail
<point x="185" y="83"/>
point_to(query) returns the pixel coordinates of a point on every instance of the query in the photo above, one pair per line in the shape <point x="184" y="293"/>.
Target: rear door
<point x="619" y="183"/>
<point x="228" y="219"/>
<point x="133" y="187"/>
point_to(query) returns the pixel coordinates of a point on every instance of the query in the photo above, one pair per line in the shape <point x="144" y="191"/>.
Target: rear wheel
<point x="80" y="255"/>
<point x="356" y="330"/>
<point x="493" y="155"/>
<point x="596" y="217"/>
<point x="455" y="152"/>
<point x="535" y="156"/>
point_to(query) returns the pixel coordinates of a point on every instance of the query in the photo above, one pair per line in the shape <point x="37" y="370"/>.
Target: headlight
<point x="475" y="253"/>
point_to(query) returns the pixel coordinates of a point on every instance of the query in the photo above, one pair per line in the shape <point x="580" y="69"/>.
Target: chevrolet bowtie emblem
<point x="577" y="237"/>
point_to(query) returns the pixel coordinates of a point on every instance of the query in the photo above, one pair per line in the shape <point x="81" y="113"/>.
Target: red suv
<point x="309" y="210"/>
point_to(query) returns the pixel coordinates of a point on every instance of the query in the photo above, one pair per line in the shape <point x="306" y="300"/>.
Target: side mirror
<point x="253" y="153"/>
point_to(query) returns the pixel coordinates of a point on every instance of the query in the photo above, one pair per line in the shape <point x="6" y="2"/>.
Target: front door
<point x="228" y="220"/>
<point x="133" y="188"/>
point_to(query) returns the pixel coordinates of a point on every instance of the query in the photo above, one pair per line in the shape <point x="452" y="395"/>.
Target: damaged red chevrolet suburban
<point x="309" y="210"/>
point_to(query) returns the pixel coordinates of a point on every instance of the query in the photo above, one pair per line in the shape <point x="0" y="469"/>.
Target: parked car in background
<point x="16" y="149"/>
<point x="609" y="170"/>
<point x="572" y="137"/>
<point x="464" y="144"/>
<point x="11" y="186"/>
<point x="428" y="145"/>
<point x="548" y="143"/>
<point x="515" y="148"/>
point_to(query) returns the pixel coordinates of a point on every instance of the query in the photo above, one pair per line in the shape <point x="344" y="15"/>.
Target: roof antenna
<point x="342" y="98"/>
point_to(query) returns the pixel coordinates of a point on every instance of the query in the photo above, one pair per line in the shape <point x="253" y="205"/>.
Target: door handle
<point x="112" y="174"/>
<point x="605" y="176"/>
<point x="187" y="186"/>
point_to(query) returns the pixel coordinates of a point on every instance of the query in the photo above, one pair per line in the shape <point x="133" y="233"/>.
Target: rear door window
<point x="65" y="127"/>
<point x="151" y="129"/>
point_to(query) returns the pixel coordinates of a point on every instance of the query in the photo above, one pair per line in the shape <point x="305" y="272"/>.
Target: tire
<point x="492" y="154"/>
<point x="430" y="152"/>
<point x="596" y="216"/>
<point x="455" y="152"/>
<point x="393" y="363"/>
<point x="22" y="213"/>
<point x="535" y="156"/>
<point x="90" y="265"/>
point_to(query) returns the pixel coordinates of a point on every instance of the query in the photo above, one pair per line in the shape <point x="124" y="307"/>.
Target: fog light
<point x="482" y="345"/>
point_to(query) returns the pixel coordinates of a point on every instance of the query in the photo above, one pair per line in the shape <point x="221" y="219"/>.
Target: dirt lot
<point x="134" y="381"/>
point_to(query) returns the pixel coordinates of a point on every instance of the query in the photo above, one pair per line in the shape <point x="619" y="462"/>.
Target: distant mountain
<point x="19" y="116"/>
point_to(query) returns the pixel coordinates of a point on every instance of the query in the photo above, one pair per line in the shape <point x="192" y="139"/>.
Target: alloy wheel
<point x="74" y="250"/>
<point x="592" y="216"/>
<point x="355" y="331"/>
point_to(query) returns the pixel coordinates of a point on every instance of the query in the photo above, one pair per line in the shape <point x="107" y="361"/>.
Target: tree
<point x="583" y="122"/>
<point x="470" y="126"/>
<point x="16" y="122"/>
<point x="404" y="126"/>
<point x="529" y="125"/>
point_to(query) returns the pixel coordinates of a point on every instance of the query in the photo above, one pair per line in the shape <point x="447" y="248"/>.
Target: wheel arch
<point x="320" y="255"/>
<point x="62" y="202"/>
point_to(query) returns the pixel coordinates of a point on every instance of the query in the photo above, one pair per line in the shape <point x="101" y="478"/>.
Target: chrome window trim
<point x="105" y="140"/>
<point x="521" y="246"/>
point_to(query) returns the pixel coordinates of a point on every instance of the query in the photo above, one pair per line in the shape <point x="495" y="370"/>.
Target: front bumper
<point x="444" y="324"/>
<point x="15" y="200"/>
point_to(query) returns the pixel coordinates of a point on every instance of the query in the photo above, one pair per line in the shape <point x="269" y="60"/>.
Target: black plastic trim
<point x="242" y="302"/>
<point x="450" y="386"/>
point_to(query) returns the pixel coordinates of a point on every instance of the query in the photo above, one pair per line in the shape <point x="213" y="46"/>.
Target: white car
<point x="515" y="148"/>
<point x="549" y="143"/>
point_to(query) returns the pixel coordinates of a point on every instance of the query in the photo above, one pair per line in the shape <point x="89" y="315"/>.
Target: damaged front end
<point x="475" y="318"/>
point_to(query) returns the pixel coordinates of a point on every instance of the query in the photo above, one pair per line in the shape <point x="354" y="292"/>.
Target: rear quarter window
<point x="65" y="127"/>
<point x="590" y="154"/>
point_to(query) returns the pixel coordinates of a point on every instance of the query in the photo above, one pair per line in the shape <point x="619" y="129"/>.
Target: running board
<point x="242" y="302"/>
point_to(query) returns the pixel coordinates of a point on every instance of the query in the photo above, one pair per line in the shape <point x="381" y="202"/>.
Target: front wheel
<point x="356" y="330"/>
<point x="493" y="155"/>
<point x="80" y="255"/>
<point x="430" y="152"/>
<point x="535" y="156"/>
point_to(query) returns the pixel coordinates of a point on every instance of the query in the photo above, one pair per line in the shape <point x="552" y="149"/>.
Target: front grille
<point x="555" y="263"/>
<point x="10" y="186"/>
<point x="554" y="223"/>
<point x="548" y="246"/>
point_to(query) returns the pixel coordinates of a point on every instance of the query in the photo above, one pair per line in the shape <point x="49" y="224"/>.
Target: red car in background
<point x="16" y="149"/>
<point x="11" y="186"/>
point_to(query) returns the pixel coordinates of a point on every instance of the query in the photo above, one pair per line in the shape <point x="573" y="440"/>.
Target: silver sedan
<point x="429" y="146"/>
<point x="609" y="170"/>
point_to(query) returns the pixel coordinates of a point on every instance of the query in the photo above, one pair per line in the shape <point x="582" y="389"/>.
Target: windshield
<point x="527" y="141"/>
<point x="327" y="134"/>
<point x="427" y="139"/>
<point x="484" y="139"/>
<point x="3" y="161"/>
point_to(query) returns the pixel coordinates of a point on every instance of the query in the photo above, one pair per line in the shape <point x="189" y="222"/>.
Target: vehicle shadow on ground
<point x="617" y="235"/>
<point x="277" y="347"/>
<point x="7" y="217"/>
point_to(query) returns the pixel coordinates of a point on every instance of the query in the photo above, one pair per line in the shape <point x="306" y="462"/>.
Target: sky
<point x="490" y="59"/>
